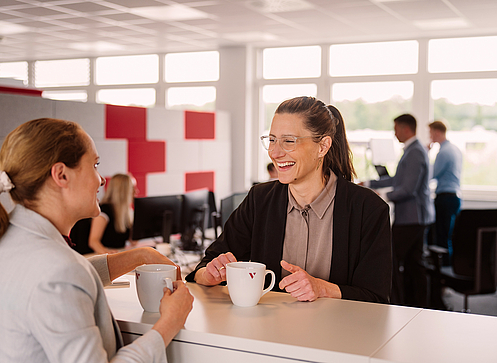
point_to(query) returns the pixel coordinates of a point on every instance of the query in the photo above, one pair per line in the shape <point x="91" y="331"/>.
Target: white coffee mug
<point x="150" y="283"/>
<point x="246" y="282"/>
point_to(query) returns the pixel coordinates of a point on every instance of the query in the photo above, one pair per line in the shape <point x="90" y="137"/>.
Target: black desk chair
<point x="217" y="223"/>
<point x="79" y="236"/>
<point x="474" y="257"/>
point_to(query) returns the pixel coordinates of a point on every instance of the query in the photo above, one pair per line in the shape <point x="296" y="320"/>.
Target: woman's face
<point x="87" y="181"/>
<point x="301" y="164"/>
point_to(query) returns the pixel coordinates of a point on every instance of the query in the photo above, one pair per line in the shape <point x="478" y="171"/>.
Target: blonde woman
<point x="111" y="229"/>
<point x="52" y="301"/>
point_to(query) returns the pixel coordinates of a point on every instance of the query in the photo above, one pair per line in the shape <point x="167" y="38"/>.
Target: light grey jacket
<point x="411" y="192"/>
<point x="52" y="302"/>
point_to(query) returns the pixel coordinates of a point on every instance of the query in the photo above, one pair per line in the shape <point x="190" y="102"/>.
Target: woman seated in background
<point x="52" y="302"/>
<point x="321" y="234"/>
<point x="111" y="229"/>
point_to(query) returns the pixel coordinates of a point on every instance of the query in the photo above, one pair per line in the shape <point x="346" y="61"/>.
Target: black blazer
<point x="361" y="255"/>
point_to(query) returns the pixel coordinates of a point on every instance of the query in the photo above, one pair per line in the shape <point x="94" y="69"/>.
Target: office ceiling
<point x="57" y="29"/>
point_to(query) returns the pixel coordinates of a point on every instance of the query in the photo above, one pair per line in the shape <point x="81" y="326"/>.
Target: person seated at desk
<point x="321" y="234"/>
<point x="111" y="229"/>
<point x="53" y="307"/>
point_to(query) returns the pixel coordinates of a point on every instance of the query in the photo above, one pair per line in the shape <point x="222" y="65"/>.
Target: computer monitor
<point x="195" y="216"/>
<point x="157" y="216"/>
<point x="229" y="204"/>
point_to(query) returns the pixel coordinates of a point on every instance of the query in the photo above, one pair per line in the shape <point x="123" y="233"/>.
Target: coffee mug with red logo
<point x="246" y="282"/>
<point x="150" y="283"/>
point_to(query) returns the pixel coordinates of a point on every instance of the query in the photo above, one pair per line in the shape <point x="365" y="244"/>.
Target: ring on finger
<point x="222" y="267"/>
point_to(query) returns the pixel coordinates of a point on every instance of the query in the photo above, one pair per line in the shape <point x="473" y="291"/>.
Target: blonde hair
<point x="29" y="152"/>
<point x="119" y="195"/>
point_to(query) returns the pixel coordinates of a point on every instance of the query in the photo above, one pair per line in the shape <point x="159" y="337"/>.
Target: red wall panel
<point x="200" y="125"/>
<point x="199" y="180"/>
<point x="123" y="122"/>
<point x="146" y="157"/>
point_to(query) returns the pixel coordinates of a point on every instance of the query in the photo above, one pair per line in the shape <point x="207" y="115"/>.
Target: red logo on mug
<point x="252" y="274"/>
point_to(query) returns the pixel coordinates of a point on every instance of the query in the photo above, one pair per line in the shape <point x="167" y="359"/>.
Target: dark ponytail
<point x="324" y="120"/>
<point x="340" y="156"/>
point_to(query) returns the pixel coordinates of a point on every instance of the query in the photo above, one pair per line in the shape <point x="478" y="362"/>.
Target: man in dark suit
<point x="413" y="212"/>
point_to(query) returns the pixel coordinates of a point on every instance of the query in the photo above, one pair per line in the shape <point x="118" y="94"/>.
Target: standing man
<point x="413" y="212"/>
<point x="447" y="172"/>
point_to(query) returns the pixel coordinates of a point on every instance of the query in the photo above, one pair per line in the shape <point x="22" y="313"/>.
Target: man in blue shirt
<point x="447" y="172"/>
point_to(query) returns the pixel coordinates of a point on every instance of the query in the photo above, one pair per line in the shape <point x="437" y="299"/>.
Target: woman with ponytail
<point x="321" y="234"/>
<point x="52" y="301"/>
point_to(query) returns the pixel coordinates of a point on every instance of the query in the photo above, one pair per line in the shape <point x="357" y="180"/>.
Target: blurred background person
<point x="447" y="173"/>
<point x="413" y="213"/>
<point x="271" y="170"/>
<point x="112" y="228"/>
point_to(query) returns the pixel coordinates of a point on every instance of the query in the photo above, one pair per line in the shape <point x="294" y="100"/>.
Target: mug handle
<point x="168" y="282"/>
<point x="271" y="285"/>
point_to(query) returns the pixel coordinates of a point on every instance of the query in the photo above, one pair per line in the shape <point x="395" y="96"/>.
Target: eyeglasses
<point x="287" y="143"/>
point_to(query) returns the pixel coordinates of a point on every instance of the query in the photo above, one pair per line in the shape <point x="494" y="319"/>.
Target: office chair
<point x="79" y="236"/>
<point x="474" y="256"/>
<point x="216" y="223"/>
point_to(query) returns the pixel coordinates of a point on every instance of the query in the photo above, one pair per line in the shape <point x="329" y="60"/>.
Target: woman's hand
<point x="154" y="256"/>
<point x="304" y="287"/>
<point x="174" y="309"/>
<point x="124" y="262"/>
<point x="215" y="271"/>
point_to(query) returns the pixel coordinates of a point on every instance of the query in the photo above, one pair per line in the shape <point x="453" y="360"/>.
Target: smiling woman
<point x="322" y="235"/>
<point x="52" y="303"/>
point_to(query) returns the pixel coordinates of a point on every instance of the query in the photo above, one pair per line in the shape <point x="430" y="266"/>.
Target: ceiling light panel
<point x="279" y="6"/>
<point x="175" y="12"/>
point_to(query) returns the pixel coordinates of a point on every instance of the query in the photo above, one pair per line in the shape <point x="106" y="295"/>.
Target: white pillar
<point x="234" y="94"/>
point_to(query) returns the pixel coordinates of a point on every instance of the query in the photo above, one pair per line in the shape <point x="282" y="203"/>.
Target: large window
<point x="469" y="104"/>
<point x="192" y="67"/>
<point x="67" y="72"/>
<point x="469" y="108"/>
<point x="462" y="54"/>
<point x="374" y="58"/>
<point x="16" y="70"/>
<point x="127" y="70"/>
<point x="73" y="95"/>
<point x="183" y="72"/>
<point x="368" y="109"/>
<point x="191" y="98"/>
<point x="292" y="62"/>
<point x="143" y="97"/>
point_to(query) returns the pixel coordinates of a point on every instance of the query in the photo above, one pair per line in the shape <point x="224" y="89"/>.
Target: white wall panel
<point x="223" y="126"/>
<point x="183" y="156"/>
<point x="165" y="124"/>
<point x="16" y="110"/>
<point x="215" y="155"/>
<point x="170" y="183"/>
<point x="91" y="116"/>
<point x="113" y="157"/>
<point x="222" y="185"/>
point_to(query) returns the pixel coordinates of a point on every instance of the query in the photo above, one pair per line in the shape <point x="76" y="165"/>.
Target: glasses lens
<point x="265" y="142"/>
<point x="288" y="143"/>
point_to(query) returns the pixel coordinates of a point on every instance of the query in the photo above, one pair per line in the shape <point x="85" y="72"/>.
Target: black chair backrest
<point x="79" y="235"/>
<point x="464" y="242"/>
